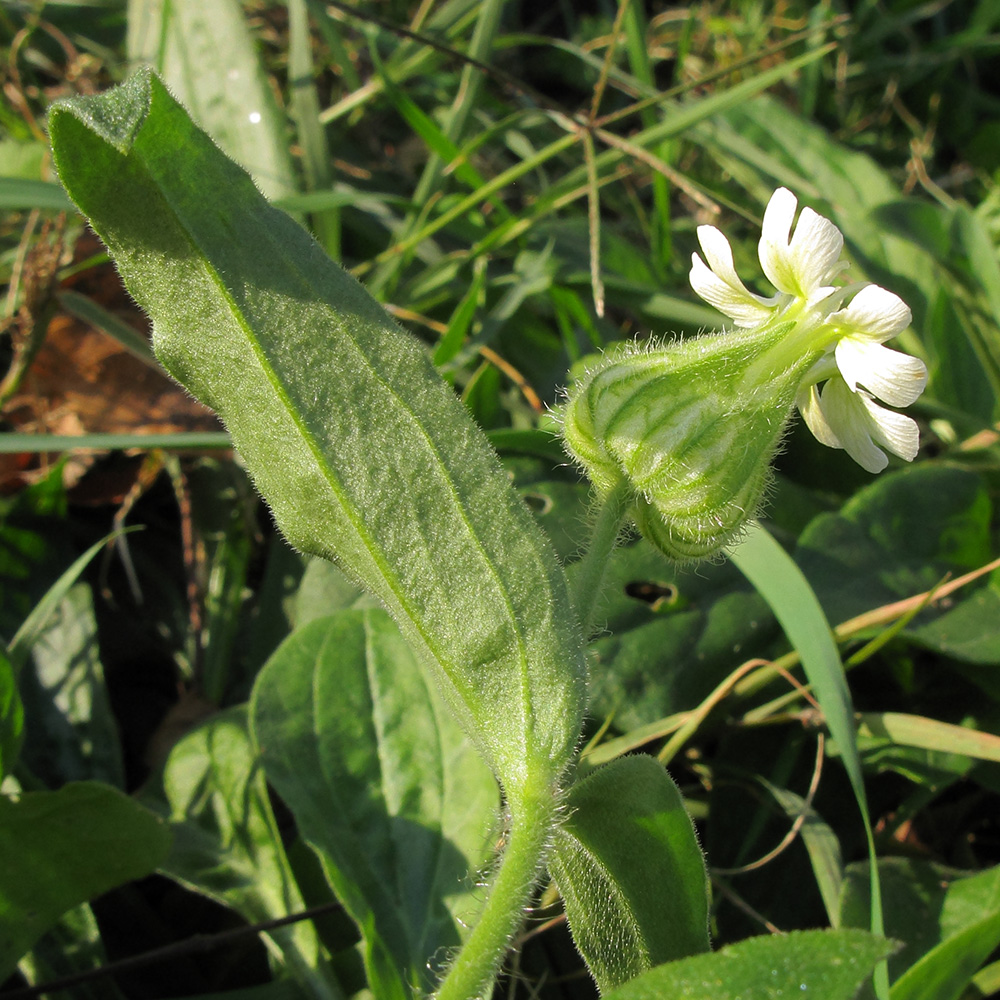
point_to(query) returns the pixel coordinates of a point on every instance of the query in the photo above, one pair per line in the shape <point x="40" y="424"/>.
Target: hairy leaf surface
<point x="362" y="451"/>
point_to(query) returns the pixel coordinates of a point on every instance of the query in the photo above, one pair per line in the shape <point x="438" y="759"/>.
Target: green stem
<point x="588" y="573"/>
<point x="474" y="971"/>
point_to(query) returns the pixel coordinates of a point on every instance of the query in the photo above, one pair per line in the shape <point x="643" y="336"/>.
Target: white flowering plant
<point x="512" y="658"/>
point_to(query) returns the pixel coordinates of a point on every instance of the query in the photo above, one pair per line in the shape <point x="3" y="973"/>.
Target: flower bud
<point x="691" y="428"/>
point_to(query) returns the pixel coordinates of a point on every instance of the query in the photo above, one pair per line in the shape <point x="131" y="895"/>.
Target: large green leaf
<point x="362" y="451"/>
<point x="630" y="871"/>
<point x="830" y="965"/>
<point x="227" y="844"/>
<point x="45" y="837"/>
<point x="383" y="785"/>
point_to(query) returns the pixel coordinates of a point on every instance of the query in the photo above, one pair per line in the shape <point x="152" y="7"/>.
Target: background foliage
<point x="520" y="187"/>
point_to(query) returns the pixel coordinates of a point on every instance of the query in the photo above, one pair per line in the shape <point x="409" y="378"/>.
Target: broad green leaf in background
<point x="899" y="537"/>
<point x="382" y="784"/>
<point x="630" y="871"/>
<point x="362" y="451"/>
<point x="72" y="946"/>
<point x="73" y="734"/>
<point x="227" y="844"/>
<point x="205" y="54"/>
<point x="672" y="634"/>
<point x="44" y="836"/>
<point x="948" y="923"/>
<point x="827" y="965"/>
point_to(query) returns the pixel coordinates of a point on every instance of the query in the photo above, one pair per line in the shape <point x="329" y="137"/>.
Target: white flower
<point x="798" y="265"/>
<point x="720" y="285"/>
<point x="874" y="316"/>
<point x="803" y="265"/>
<point x="848" y="342"/>
<point x="840" y="417"/>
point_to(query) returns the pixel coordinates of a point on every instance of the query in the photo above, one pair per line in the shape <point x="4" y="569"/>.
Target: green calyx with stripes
<point x="691" y="427"/>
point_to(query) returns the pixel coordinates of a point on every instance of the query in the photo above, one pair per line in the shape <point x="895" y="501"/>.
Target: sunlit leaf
<point x="630" y="871"/>
<point x="830" y="965"/>
<point x="362" y="451"/>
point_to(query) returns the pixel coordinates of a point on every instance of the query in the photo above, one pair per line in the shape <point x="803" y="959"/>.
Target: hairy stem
<point x="475" y="969"/>
<point x="588" y="576"/>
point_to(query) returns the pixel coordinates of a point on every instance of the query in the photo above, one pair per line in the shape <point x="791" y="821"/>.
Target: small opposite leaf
<point x="630" y="871"/>
<point x="382" y="784"/>
<point x="364" y="453"/>
<point x="60" y="849"/>
<point x="807" y="965"/>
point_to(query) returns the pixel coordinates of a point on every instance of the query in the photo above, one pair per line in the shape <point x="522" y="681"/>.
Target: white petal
<point x="720" y="285"/>
<point x="798" y="264"/>
<point x="849" y="419"/>
<point x="896" y="378"/>
<point x="875" y="312"/>
<point x="815" y="250"/>
<point x="719" y="255"/>
<point x="774" y="239"/>
<point x="895" y="431"/>
<point x="808" y="402"/>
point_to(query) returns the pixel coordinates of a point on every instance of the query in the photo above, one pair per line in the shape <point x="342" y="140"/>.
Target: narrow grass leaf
<point x="930" y="734"/>
<point x="15" y="442"/>
<point x="24" y="194"/>
<point x="11" y="718"/>
<point x="820" y="843"/>
<point x="461" y="319"/>
<point x="92" y="312"/>
<point x="777" y="578"/>
<point x="316" y="157"/>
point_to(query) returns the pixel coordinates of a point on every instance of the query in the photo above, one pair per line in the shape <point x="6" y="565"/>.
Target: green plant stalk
<point x="533" y="816"/>
<point x="588" y="580"/>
